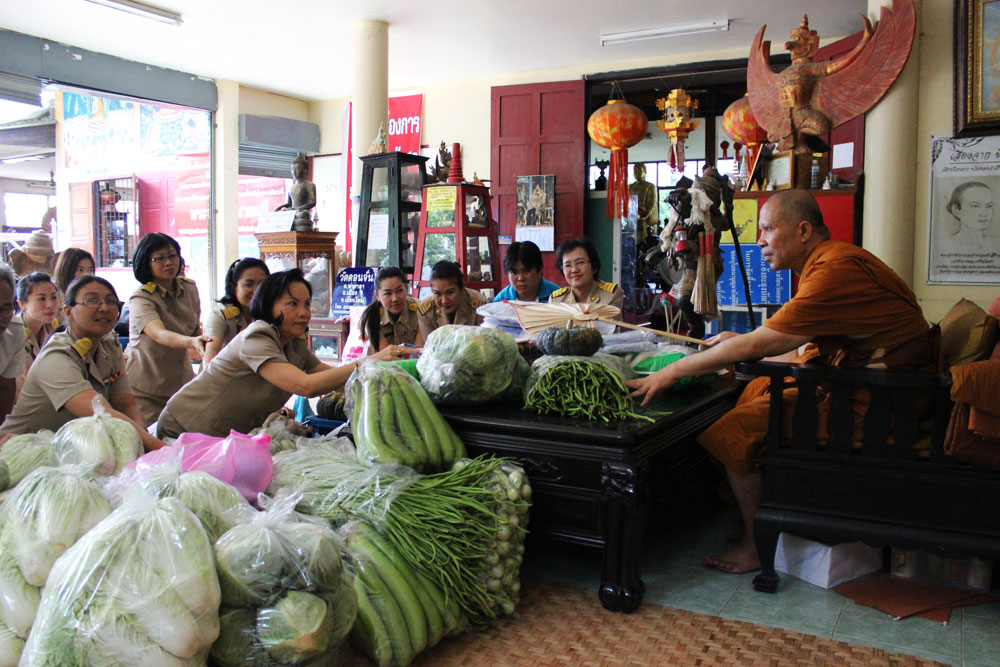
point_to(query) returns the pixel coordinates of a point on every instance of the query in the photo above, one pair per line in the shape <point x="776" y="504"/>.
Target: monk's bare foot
<point x="741" y="558"/>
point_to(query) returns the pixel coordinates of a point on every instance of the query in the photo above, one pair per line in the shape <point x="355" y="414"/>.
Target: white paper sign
<point x="378" y="231"/>
<point x="843" y="156"/>
<point x="276" y="221"/>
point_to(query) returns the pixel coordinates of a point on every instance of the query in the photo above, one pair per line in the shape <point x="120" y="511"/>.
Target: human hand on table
<point x="653" y="384"/>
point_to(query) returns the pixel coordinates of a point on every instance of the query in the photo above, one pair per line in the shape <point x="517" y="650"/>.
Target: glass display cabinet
<point x="313" y="252"/>
<point x="456" y="224"/>
<point x="391" y="193"/>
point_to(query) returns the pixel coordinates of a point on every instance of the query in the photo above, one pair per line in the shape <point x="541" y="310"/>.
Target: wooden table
<point x="595" y="483"/>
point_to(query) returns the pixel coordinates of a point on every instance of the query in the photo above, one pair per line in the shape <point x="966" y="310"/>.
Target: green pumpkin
<point x="331" y="406"/>
<point x="575" y="341"/>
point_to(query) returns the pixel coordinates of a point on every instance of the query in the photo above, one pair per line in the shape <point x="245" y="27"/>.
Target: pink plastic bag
<point x="240" y="460"/>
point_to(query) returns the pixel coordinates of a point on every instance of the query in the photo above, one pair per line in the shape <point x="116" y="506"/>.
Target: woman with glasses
<point x="77" y="365"/>
<point x="256" y="374"/>
<point x="233" y="313"/>
<point x="164" y="324"/>
<point x="578" y="260"/>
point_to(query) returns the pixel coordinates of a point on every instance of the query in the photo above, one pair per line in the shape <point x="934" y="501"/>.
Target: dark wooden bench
<point x="885" y="492"/>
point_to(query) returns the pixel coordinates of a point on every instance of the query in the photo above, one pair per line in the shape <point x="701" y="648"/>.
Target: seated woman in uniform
<point x="391" y="319"/>
<point x="78" y="364"/>
<point x="450" y="301"/>
<point x="72" y="263"/>
<point x="580" y="264"/>
<point x="233" y="314"/>
<point x="39" y="303"/>
<point x="523" y="264"/>
<point x="261" y="368"/>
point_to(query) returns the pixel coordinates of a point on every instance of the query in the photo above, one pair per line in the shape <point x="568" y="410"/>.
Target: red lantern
<point x="739" y="123"/>
<point x="618" y="125"/>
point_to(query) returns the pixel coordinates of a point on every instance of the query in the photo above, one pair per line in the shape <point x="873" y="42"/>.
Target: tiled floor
<point x="675" y="577"/>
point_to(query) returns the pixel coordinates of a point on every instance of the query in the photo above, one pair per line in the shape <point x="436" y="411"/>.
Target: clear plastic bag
<point x="24" y="453"/>
<point x="284" y="432"/>
<point x="138" y="589"/>
<point x="463" y="365"/>
<point x="394" y="421"/>
<point x="581" y="387"/>
<point x="106" y="442"/>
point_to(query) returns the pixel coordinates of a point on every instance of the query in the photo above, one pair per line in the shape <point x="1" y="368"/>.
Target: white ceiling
<point x="302" y="48"/>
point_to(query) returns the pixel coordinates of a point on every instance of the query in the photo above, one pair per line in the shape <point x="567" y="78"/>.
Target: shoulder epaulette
<point x="149" y="287"/>
<point x="560" y="291"/>
<point x="425" y="305"/>
<point x="607" y="287"/>
<point x="413" y="306"/>
<point x="54" y="323"/>
<point x="82" y="346"/>
<point x="186" y="279"/>
<point x="229" y="312"/>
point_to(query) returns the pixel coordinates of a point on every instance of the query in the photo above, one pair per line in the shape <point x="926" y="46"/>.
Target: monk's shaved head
<point x="794" y="206"/>
<point x="784" y="241"/>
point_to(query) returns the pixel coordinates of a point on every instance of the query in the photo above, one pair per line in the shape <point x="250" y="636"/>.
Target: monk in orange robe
<point x="850" y="309"/>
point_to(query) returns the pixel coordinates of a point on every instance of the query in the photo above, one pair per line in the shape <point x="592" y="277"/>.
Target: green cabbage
<point x="464" y="365"/>
<point x="18" y="599"/>
<point x="103" y="441"/>
<point x="298" y="627"/>
<point x="10" y="646"/>
<point x="318" y="555"/>
<point x="24" y="453"/>
<point x="237" y="642"/>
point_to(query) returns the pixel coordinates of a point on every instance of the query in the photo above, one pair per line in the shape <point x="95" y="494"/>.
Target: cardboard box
<point x="825" y="565"/>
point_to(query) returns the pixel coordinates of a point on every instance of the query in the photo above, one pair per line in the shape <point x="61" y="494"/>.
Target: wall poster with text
<point x="963" y="232"/>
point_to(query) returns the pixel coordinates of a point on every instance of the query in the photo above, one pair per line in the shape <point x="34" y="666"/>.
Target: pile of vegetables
<point x="462" y="365"/>
<point x="286" y="599"/>
<point x="43" y="516"/>
<point x="24" y="453"/>
<point x="394" y="421"/>
<point x="579" y="387"/>
<point x="462" y="529"/>
<point x="4" y="476"/>
<point x="138" y="589"/>
<point x="103" y="441"/>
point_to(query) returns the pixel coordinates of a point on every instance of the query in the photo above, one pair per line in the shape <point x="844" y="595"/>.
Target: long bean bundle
<point x="580" y="388"/>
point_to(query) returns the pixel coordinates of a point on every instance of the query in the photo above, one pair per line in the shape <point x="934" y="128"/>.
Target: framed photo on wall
<point x="779" y="170"/>
<point x="977" y="67"/>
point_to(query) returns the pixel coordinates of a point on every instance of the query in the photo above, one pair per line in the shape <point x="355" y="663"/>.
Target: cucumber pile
<point x="394" y="421"/>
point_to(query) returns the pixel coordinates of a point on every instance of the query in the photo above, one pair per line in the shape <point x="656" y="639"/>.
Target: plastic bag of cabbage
<point x="463" y="365"/>
<point x="286" y="597"/>
<point x="24" y="453"/>
<point x="45" y="515"/>
<point x="103" y="441"/>
<point x="138" y="589"/>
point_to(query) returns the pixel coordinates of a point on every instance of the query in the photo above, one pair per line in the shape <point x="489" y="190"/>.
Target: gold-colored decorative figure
<point x="803" y="102"/>
<point x="381" y="143"/>
<point x="646" y="195"/>
<point x="37" y="252"/>
<point x="302" y="196"/>
<point x="442" y="164"/>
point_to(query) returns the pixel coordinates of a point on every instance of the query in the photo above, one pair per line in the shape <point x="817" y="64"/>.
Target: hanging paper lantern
<point x="739" y="123"/>
<point x="618" y="126"/>
<point x="678" y="110"/>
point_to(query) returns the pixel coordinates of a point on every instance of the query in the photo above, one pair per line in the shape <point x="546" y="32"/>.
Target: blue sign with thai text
<point x="766" y="286"/>
<point x="355" y="287"/>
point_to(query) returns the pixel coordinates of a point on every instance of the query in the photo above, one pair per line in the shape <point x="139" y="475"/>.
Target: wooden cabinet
<point x="313" y="252"/>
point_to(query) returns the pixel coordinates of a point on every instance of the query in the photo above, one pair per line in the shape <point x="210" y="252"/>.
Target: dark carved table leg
<point x="766" y="532"/>
<point x="623" y="501"/>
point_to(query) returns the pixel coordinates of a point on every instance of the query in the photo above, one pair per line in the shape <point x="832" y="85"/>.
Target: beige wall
<point x="260" y="103"/>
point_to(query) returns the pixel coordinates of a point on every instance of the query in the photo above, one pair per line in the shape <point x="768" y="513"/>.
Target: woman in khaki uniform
<point x="232" y="315"/>
<point x="39" y="302"/>
<point x="261" y="368"/>
<point x="579" y="262"/>
<point x="450" y="301"/>
<point x="77" y="365"/>
<point x="391" y="319"/>
<point x="163" y="324"/>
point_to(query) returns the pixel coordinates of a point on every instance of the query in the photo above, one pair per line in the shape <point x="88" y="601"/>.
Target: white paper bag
<point x="825" y="565"/>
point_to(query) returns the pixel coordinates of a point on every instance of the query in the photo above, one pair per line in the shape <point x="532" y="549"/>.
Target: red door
<point x="539" y="128"/>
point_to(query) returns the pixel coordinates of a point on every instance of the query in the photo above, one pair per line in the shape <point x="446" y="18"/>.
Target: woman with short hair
<point x="580" y="264"/>
<point x="523" y="265"/>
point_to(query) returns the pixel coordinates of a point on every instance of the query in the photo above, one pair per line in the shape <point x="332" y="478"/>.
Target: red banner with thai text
<point x="405" y="115"/>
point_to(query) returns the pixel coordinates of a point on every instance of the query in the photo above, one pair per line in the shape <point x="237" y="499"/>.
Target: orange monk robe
<point x="858" y="314"/>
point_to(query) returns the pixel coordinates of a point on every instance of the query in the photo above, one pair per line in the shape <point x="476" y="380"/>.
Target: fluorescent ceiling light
<point x="656" y="33"/>
<point x="141" y="9"/>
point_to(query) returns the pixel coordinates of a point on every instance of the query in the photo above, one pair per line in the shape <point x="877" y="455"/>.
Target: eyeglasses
<point x="248" y="284"/>
<point x="578" y="264"/>
<point x="96" y="301"/>
<point x="164" y="258"/>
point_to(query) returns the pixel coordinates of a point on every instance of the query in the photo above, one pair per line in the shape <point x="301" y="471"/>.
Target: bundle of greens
<point x="462" y="365"/>
<point x="394" y="421"/>
<point x="4" y="476"/>
<point x="103" y="441"/>
<point x="43" y="516"/>
<point x="138" y="588"/>
<point x="24" y="453"/>
<point x="286" y="597"/>
<point x="578" y="387"/>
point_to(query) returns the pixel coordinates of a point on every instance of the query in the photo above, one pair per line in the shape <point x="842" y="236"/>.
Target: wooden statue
<point x="301" y="196"/>
<point x="803" y="102"/>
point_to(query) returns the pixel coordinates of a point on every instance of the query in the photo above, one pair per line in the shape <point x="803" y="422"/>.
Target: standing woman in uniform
<point x="72" y="263"/>
<point x="261" y="368"/>
<point x="233" y="313"/>
<point x="39" y="303"/>
<point x="391" y="319"/>
<point x="78" y="364"/>
<point x="579" y="262"/>
<point x="163" y="325"/>
<point x="450" y="301"/>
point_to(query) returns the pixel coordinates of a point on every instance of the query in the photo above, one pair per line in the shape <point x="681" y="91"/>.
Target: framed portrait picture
<point x="779" y="170"/>
<point x="536" y="212"/>
<point x="977" y="67"/>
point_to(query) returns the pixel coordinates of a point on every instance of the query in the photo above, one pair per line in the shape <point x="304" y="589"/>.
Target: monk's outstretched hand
<point x="652" y="385"/>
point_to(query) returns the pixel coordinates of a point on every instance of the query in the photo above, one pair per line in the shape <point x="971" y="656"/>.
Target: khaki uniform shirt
<point x="602" y="293"/>
<point x="229" y="394"/>
<point x="66" y="366"/>
<point x="12" y="350"/>
<point x="405" y="328"/>
<point x="224" y="322"/>
<point x="430" y="317"/>
<point x="31" y="346"/>
<point x="157" y="371"/>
